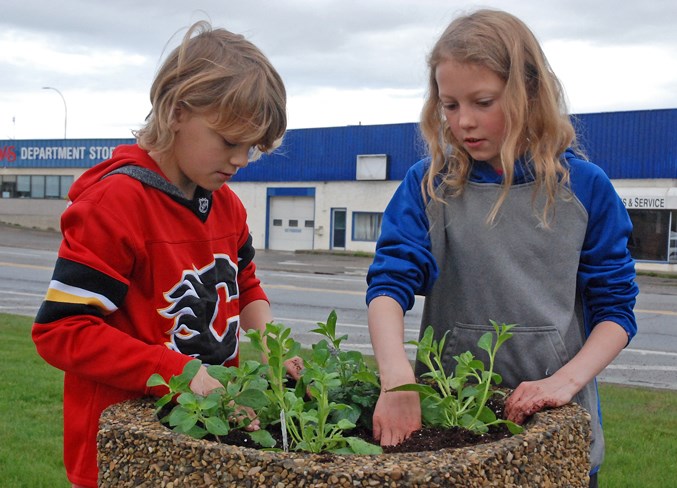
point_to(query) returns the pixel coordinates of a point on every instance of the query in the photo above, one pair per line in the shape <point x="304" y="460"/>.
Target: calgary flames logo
<point x="205" y="324"/>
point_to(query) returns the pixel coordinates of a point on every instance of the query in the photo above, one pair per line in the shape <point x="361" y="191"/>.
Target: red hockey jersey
<point x="145" y="281"/>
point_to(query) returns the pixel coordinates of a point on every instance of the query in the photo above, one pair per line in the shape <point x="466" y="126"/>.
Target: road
<point x="304" y="288"/>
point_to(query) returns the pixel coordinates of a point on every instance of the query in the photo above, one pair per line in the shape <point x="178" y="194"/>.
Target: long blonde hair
<point x="219" y="73"/>
<point x="537" y="123"/>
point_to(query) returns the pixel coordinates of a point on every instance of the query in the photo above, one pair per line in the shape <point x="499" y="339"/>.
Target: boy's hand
<point x="203" y="384"/>
<point x="294" y="367"/>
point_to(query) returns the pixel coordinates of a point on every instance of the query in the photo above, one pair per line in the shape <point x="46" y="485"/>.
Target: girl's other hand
<point x="396" y="416"/>
<point x="533" y="396"/>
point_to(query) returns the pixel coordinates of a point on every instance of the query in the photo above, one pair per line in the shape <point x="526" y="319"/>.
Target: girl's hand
<point x="396" y="416"/>
<point x="605" y="342"/>
<point x="533" y="396"/>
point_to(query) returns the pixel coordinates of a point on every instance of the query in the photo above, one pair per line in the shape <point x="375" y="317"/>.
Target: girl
<point x="155" y="267"/>
<point x="503" y="221"/>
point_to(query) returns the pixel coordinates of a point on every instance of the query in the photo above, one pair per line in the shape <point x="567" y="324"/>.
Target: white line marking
<point x="646" y="352"/>
<point x="338" y="325"/>
<point x="642" y="367"/>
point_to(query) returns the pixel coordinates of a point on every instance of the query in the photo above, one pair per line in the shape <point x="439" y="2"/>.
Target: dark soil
<point x="426" y="439"/>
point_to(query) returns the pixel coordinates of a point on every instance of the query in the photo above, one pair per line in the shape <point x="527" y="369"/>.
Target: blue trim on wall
<point x="284" y="192"/>
<point x="291" y="192"/>
<point x="626" y="145"/>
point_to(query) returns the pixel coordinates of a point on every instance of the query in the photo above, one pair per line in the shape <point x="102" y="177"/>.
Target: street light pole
<point x="65" y="109"/>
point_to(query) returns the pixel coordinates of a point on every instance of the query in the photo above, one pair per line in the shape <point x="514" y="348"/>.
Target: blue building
<point x="326" y="188"/>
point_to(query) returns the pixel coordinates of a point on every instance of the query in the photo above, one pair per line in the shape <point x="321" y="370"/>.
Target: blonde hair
<point x="537" y="123"/>
<point x="221" y="74"/>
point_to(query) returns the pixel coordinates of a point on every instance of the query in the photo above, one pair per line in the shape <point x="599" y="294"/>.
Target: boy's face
<point x="201" y="155"/>
<point x="471" y="96"/>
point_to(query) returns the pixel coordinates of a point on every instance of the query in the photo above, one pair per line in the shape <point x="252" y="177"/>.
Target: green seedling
<point x="460" y="399"/>
<point x="220" y="411"/>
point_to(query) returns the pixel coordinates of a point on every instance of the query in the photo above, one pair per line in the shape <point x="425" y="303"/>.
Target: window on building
<point x="309" y="224"/>
<point x="51" y="187"/>
<point x="650" y="234"/>
<point x="8" y="186"/>
<point x="23" y="186"/>
<point x="65" y="183"/>
<point x="367" y="226"/>
<point x="293" y="223"/>
<point x="35" y="186"/>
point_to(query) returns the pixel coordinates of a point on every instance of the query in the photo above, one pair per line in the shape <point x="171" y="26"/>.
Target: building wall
<point x="38" y="214"/>
<point x="636" y="149"/>
<point x="365" y="196"/>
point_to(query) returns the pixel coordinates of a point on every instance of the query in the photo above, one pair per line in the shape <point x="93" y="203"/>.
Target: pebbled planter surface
<point x="134" y="449"/>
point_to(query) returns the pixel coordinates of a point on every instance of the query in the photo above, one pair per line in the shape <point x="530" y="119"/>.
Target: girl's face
<point x="471" y="96"/>
<point x="202" y="156"/>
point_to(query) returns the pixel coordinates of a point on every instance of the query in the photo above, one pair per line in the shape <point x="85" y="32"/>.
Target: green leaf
<point x="163" y="400"/>
<point x="216" y="426"/>
<point x="221" y="373"/>
<point x="513" y="427"/>
<point x="368" y="377"/>
<point x="345" y="424"/>
<point x="156" y="380"/>
<point x="486" y="342"/>
<point x="209" y="402"/>
<point x="487" y="415"/>
<point x="176" y="416"/>
<point x="360" y="446"/>
<point x="331" y="323"/>
<point x="252" y="398"/>
<point x="191" y="368"/>
<point x="196" y="431"/>
<point x="262" y="437"/>
<point x="188" y="422"/>
<point x="187" y="399"/>
<point x="470" y="391"/>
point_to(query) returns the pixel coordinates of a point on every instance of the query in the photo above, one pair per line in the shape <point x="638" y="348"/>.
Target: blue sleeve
<point x="404" y="265"/>
<point x="606" y="274"/>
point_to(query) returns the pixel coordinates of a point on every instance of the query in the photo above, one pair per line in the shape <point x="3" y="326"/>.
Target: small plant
<point x="460" y="399"/>
<point x="358" y="384"/>
<point x="335" y="394"/>
<point x="221" y="410"/>
<point x="311" y="420"/>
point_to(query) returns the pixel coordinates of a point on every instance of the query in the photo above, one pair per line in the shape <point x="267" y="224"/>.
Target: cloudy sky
<point x="344" y="62"/>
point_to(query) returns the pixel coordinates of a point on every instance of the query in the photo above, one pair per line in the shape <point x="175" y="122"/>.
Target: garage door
<point x="292" y="223"/>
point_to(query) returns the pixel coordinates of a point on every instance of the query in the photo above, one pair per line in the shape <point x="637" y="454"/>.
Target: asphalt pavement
<point x="650" y="360"/>
<point x="317" y="262"/>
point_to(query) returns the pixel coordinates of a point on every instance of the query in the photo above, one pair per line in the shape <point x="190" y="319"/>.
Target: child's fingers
<point x="294" y="367"/>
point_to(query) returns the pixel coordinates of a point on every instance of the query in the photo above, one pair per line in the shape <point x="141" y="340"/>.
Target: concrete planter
<point x="136" y="450"/>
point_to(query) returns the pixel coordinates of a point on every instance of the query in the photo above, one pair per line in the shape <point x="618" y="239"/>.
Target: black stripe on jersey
<point x="80" y="276"/>
<point x="245" y="254"/>
<point x="52" y="311"/>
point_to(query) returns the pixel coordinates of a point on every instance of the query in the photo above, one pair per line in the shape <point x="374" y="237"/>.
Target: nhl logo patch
<point x="203" y="205"/>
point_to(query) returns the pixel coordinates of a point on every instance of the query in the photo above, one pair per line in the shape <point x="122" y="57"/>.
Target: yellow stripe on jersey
<point x="62" y="293"/>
